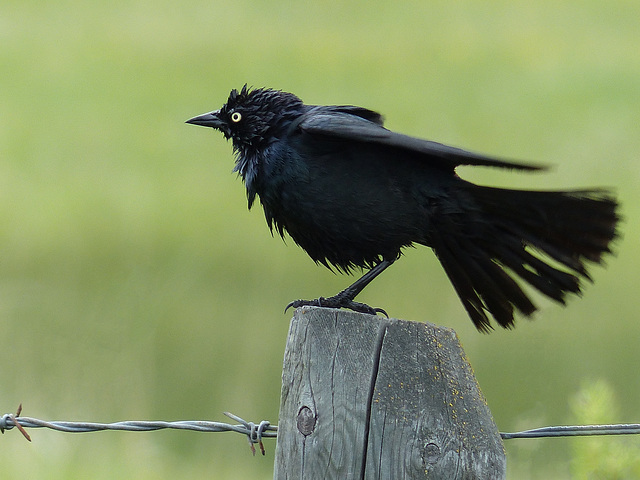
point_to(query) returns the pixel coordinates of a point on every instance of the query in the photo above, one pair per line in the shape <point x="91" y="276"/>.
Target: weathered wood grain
<point x="367" y="397"/>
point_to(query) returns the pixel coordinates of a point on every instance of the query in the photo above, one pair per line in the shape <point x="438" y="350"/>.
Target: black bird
<point x="353" y="194"/>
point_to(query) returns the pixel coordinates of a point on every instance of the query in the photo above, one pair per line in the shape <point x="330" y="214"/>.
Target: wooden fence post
<point x="367" y="397"/>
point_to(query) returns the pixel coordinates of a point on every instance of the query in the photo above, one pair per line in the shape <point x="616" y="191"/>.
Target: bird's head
<point x="252" y="118"/>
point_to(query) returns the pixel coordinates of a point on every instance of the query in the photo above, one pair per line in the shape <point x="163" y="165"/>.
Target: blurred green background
<point x="134" y="283"/>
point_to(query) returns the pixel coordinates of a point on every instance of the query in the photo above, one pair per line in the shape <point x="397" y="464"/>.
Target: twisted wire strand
<point x="576" y="431"/>
<point x="254" y="432"/>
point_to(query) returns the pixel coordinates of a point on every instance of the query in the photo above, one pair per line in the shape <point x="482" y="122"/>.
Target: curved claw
<point x="382" y="311"/>
<point x="304" y="303"/>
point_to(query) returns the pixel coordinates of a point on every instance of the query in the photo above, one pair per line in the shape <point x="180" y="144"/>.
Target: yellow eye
<point x="236" y="117"/>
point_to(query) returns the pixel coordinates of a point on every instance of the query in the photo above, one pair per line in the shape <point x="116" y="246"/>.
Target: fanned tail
<point x="545" y="238"/>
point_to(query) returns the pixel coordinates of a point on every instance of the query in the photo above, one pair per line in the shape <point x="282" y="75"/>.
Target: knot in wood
<point x="306" y="421"/>
<point x="431" y="453"/>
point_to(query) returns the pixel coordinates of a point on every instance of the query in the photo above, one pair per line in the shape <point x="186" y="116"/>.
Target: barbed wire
<point x="575" y="431"/>
<point x="256" y="432"/>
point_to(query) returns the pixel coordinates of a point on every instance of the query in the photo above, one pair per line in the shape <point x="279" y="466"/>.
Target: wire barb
<point x="5" y="425"/>
<point x="256" y="432"/>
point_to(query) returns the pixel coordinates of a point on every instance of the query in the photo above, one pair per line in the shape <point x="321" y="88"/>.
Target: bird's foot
<point x="337" y="301"/>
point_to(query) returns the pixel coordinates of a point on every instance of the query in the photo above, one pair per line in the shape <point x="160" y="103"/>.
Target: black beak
<point x="208" y="120"/>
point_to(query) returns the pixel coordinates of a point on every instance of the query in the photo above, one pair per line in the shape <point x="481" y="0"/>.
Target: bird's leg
<point x="344" y="299"/>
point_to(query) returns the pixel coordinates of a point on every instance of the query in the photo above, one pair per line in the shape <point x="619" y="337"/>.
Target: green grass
<point x="602" y="457"/>
<point x="135" y="285"/>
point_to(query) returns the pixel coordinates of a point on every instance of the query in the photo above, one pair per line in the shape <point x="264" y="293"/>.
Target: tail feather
<point x="547" y="279"/>
<point x="479" y="288"/>
<point x="545" y="238"/>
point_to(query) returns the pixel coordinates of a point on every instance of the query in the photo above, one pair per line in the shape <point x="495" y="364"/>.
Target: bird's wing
<point x="357" y="124"/>
<point x="360" y="112"/>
